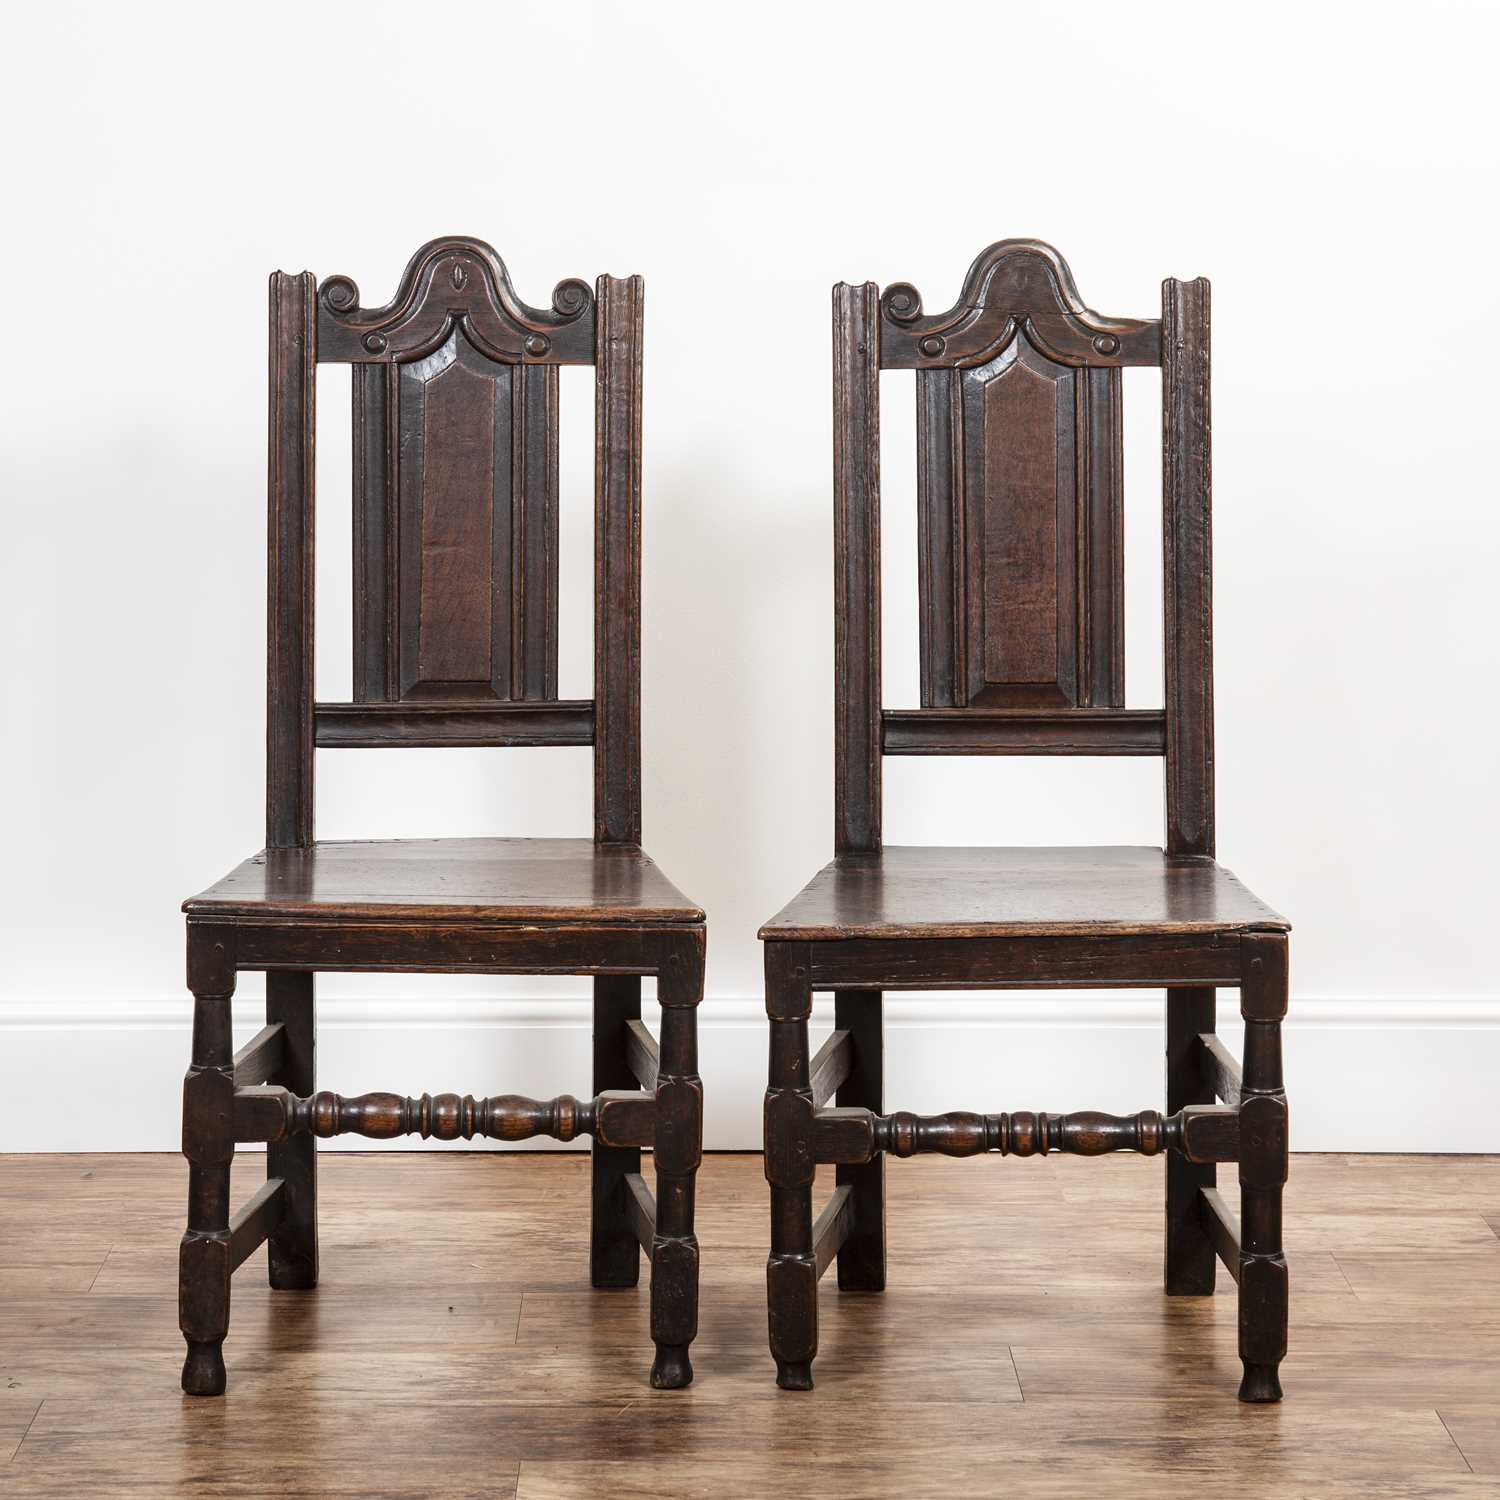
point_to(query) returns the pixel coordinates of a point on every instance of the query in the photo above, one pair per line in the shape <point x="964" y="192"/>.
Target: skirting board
<point x="1058" y="1052"/>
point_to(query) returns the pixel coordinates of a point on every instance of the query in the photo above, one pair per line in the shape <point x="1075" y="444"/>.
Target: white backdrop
<point x="1335" y="176"/>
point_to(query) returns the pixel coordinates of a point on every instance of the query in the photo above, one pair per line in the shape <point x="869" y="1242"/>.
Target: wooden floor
<point x="455" y="1348"/>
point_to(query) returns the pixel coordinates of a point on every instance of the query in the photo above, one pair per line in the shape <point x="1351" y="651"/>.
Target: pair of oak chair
<point x="455" y="405"/>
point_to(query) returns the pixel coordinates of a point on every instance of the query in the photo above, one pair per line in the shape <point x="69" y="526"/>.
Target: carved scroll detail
<point x="448" y="283"/>
<point x="1012" y="285"/>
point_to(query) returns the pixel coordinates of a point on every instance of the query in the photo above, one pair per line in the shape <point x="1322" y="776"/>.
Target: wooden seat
<point x="484" y="880"/>
<point x="1021" y="618"/>
<point x="898" y="892"/>
<point x="455" y="395"/>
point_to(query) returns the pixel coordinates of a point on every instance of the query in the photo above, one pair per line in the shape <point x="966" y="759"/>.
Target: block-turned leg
<point x="292" y="1254"/>
<point x="677" y="1151"/>
<point x="861" y="1258"/>
<point x="791" y="1272"/>
<point x="208" y="1143"/>
<point x="614" y="1251"/>
<point x="1263" y="1168"/>
<point x="1189" y="1263"/>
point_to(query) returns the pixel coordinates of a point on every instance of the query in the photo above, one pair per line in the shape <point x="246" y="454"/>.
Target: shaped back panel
<point x="1019" y="485"/>
<point x="1019" y="519"/>
<point x="455" y="529"/>
<point x="455" y="503"/>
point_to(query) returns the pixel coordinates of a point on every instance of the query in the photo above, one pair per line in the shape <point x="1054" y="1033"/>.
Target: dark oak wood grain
<point x="905" y="891"/>
<point x="513" y="880"/>
<point x="292" y="1251"/>
<point x="1024" y="731"/>
<point x="1187" y="564"/>
<point x="373" y="726"/>
<point x="617" y="562"/>
<point x="856" y="579"/>
<point x="1021" y="581"/>
<point x="263" y="1055"/>
<point x="1188" y="1253"/>
<point x="614" y="1117"/>
<point x="852" y="1136"/>
<point x="831" y="1065"/>
<point x="860" y="1015"/>
<point x="614" y="1250"/>
<point x="291" y="481"/>
<point x="455" y="441"/>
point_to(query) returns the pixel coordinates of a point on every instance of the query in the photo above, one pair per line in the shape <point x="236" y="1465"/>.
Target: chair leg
<point x="614" y="1251"/>
<point x="208" y="1143"/>
<point x="1189" y="1264"/>
<point x="1263" y="1168"/>
<point x="861" y="1257"/>
<point x="292" y="1254"/>
<point x="791" y="1271"/>
<point x="677" y="1151"/>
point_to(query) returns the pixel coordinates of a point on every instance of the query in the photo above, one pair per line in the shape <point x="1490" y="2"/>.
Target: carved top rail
<point x="1014" y="286"/>
<point x="456" y="282"/>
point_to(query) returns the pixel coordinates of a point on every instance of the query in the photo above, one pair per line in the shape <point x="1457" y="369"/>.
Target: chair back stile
<point x="455" y="446"/>
<point x="1020" y="532"/>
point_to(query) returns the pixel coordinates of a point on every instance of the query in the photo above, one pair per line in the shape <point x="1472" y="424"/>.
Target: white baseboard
<point x="1348" y="1063"/>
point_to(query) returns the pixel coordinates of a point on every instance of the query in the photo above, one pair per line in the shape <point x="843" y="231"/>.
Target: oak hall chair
<point x="1019" y="495"/>
<point x="455" y="397"/>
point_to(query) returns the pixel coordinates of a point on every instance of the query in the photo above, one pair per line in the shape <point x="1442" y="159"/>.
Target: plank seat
<point x="902" y="891"/>
<point x="482" y="879"/>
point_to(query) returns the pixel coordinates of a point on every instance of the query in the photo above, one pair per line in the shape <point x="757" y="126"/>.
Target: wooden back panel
<point x="455" y="395"/>
<point x="1021" y="555"/>
<point x="456" y="525"/>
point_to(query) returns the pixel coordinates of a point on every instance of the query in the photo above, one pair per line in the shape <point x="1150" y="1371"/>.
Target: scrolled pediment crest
<point x="1012" y="285"/>
<point x="456" y="282"/>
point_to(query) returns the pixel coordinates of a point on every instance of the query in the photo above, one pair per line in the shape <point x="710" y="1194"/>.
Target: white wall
<point x="1332" y="172"/>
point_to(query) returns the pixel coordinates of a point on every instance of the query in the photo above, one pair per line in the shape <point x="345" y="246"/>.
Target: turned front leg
<point x="677" y="1152"/>
<point x="791" y="1272"/>
<point x="1263" y="1168"/>
<point x="204" y="1266"/>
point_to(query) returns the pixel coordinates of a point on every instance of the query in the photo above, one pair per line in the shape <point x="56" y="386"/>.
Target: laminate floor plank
<point x="1476" y="1431"/>
<point x="1023" y="1344"/>
<point x="17" y="1412"/>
